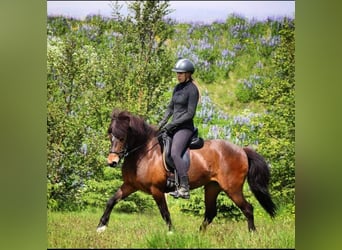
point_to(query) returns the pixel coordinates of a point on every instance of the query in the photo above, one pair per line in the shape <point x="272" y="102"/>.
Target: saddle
<point x="195" y="142"/>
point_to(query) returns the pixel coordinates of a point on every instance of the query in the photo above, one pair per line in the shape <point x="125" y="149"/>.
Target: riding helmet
<point x="184" y="65"/>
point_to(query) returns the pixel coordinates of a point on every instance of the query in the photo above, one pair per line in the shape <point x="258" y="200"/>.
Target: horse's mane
<point x="139" y="129"/>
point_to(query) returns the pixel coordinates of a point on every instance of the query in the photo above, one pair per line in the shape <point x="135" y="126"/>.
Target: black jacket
<point x="182" y="107"/>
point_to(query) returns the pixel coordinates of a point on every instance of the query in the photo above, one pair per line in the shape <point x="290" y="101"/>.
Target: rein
<point x="134" y="149"/>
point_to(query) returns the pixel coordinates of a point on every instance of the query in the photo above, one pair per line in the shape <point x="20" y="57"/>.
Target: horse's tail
<point x="258" y="178"/>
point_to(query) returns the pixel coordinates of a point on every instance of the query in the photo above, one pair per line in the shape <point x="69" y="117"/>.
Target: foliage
<point x="94" y="66"/>
<point x="270" y="132"/>
<point x="234" y="45"/>
<point x="278" y="134"/>
<point x="245" y="69"/>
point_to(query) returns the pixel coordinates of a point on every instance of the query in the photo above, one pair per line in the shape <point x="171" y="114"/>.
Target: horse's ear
<point x="115" y="113"/>
<point x="124" y="117"/>
<point x="132" y="122"/>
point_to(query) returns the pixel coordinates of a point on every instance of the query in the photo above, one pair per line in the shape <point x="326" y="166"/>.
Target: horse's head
<point x="117" y="133"/>
<point x="127" y="133"/>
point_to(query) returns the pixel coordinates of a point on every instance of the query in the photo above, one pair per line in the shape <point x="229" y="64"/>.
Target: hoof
<point x="204" y="225"/>
<point x="101" y="229"/>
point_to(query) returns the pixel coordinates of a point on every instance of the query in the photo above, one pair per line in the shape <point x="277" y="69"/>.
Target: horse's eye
<point x="121" y="139"/>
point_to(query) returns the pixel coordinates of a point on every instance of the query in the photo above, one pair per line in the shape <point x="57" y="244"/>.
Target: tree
<point x="147" y="60"/>
<point x="277" y="136"/>
<point x="94" y="66"/>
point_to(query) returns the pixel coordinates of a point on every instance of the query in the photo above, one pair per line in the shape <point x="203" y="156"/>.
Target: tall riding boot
<point x="183" y="190"/>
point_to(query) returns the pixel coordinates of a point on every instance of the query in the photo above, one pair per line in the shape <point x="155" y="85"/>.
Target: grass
<point x="148" y="230"/>
<point x="222" y="93"/>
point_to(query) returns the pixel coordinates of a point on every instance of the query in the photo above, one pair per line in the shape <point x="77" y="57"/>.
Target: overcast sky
<point x="184" y="11"/>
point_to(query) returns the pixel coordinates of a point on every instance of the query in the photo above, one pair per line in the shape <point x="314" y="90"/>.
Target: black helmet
<point x="184" y="65"/>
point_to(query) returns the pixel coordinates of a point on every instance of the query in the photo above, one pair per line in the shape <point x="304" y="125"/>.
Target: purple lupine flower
<point x="259" y="65"/>
<point x="100" y="85"/>
<point x="213" y="132"/>
<point x="84" y="148"/>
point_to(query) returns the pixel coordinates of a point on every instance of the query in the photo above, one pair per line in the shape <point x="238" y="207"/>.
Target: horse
<point x="218" y="166"/>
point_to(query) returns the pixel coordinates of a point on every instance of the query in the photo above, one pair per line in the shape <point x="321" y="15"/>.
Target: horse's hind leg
<point x="211" y="191"/>
<point x="246" y="208"/>
<point x="121" y="193"/>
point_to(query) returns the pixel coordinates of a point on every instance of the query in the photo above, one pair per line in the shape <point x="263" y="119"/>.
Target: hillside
<point x="231" y="58"/>
<point x="222" y="93"/>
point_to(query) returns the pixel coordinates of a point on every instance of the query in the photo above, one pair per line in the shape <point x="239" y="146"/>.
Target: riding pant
<point x="180" y="143"/>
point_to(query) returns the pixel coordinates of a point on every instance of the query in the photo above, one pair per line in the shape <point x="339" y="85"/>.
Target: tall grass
<point x="148" y="230"/>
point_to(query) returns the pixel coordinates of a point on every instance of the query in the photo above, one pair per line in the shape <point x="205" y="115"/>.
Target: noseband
<point x="125" y="152"/>
<point x="121" y="153"/>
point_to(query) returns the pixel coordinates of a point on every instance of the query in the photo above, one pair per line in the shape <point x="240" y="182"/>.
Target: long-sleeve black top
<point x="182" y="107"/>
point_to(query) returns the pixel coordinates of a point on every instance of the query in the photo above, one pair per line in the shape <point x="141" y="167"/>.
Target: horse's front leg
<point x="124" y="191"/>
<point x="159" y="198"/>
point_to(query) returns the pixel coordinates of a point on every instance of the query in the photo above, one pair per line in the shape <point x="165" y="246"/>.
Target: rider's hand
<point x="169" y="129"/>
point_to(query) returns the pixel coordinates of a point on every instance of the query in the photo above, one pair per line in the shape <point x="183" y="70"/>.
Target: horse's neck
<point x="139" y="143"/>
<point x="138" y="150"/>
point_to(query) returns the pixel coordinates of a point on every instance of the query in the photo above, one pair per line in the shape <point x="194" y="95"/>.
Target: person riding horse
<point x="182" y="108"/>
<point x="217" y="165"/>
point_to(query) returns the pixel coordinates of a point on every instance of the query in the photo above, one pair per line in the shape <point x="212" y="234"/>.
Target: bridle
<point x="120" y="153"/>
<point x="125" y="152"/>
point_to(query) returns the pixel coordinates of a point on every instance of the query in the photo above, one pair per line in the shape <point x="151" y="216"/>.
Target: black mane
<point x="137" y="130"/>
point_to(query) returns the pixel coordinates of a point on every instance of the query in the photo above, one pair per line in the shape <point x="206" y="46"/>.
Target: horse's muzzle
<point x="112" y="164"/>
<point x="113" y="160"/>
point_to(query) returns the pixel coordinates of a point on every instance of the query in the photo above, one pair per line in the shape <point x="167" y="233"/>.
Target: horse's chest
<point x="135" y="176"/>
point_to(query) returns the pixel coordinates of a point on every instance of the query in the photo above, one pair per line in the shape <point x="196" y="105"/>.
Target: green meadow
<point x="148" y="230"/>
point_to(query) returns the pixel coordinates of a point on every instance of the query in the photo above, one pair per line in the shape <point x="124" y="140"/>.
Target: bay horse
<point x="218" y="166"/>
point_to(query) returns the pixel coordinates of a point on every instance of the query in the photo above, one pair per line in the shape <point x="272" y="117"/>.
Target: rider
<point x="182" y="108"/>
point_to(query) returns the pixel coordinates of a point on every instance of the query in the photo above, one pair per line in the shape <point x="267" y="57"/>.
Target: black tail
<point x="258" y="178"/>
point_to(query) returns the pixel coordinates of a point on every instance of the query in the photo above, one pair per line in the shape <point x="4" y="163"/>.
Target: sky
<point x="184" y="11"/>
